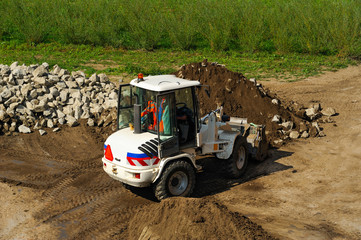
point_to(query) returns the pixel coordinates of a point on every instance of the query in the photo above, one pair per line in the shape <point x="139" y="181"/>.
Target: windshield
<point x="147" y="100"/>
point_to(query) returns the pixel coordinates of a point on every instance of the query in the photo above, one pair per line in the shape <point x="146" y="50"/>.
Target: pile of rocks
<point x="309" y="121"/>
<point x="32" y="97"/>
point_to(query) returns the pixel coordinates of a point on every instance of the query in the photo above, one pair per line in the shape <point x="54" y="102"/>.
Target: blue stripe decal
<point x="105" y="146"/>
<point x="137" y="155"/>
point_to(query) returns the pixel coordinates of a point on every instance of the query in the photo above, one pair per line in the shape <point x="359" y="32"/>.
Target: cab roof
<point x="162" y="83"/>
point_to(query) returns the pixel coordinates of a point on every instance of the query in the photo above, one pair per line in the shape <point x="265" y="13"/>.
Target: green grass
<point x="127" y="63"/>
<point x="328" y="27"/>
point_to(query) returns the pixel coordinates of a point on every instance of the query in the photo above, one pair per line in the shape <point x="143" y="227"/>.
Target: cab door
<point x="126" y="100"/>
<point x="166" y="124"/>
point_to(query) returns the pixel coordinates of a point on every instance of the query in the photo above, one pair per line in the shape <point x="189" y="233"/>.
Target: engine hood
<point x="133" y="150"/>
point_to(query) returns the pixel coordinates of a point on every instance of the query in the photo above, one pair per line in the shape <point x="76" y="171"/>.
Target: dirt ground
<point x="54" y="187"/>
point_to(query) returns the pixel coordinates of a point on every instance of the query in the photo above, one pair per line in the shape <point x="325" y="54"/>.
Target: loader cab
<point x="165" y="106"/>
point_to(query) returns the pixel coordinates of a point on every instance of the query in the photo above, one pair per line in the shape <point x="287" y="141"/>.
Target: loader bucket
<point x="257" y="143"/>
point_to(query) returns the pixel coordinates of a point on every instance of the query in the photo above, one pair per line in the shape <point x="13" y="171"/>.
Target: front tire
<point x="237" y="163"/>
<point x="177" y="179"/>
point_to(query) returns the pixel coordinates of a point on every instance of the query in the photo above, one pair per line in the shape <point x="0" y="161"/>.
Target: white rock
<point x="275" y="101"/>
<point x="56" y="130"/>
<point x="77" y="112"/>
<point x="253" y="80"/>
<point x="63" y="72"/>
<point x="90" y="122"/>
<point x="310" y="112"/>
<point x="46" y="65"/>
<point x="60" y="114"/>
<point x="321" y="134"/>
<point x="294" y="134"/>
<point x="52" y="79"/>
<point x="41" y="106"/>
<point x="103" y="78"/>
<point x="288" y="125"/>
<point x="305" y="134"/>
<point x="276" y="119"/>
<point x="316" y="107"/>
<point x="42" y="132"/>
<point x="110" y="104"/>
<point x="71" y="84"/>
<point x="33" y="94"/>
<point x="61" y="85"/>
<point x="63" y="96"/>
<point x="20" y="109"/>
<point x="56" y="70"/>
<point x="54" y="91"/>
<point x="315" y="124"/>
<point x="80" y="81"/>
<point x="94" y="78"/>
<point x="13" y="65"/>
<point x="76" y="74"/>
<point x="85" y="114"/>
<point x="6" y="93"/>
<point x="47" y="112"/>
<point x="113" y="96"/>
<point x="29" y="105"/>
<point x="50" y="123"/>
<point x="96" y="109"/>
<point x="76" y="94"/>
<point x="25" y="89"/>
<point x="2" y="115"/>
<point x="40" y="71"/>
<point x="19" y="72"/>
<point x="329" y="111"/>
<point x="24" y="129"/>
<point x="71" y="121"/>
<point x="61" y="121"/>
<point x="68" y="110"/>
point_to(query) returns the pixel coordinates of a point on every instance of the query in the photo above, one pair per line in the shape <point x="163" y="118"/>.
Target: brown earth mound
<point x="69" y="196"/>
<point x="187" y="218"/>
<point x="241" y="97"/>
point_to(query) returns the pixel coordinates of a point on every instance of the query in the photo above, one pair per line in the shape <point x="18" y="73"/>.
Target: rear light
<point x="108" y="153"/>
<point x="137" y="175"/>
<point x="105" y="164"/>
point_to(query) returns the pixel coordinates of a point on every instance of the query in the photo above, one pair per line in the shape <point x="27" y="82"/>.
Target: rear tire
<point x="178" y="179"/>
<point x="237" y="163"/>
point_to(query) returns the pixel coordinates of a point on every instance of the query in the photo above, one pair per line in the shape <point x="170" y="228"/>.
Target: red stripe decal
<point x="156" y="161"/>
<point x="130" y="161"/>
<point x="141" y="162"/>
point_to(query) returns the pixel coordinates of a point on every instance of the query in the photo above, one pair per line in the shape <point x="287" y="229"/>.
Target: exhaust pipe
<point x="137" y="122"/>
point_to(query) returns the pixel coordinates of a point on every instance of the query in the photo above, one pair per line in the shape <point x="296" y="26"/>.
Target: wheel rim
<point x="241" y="157"/>
<point x="178" y="183"/>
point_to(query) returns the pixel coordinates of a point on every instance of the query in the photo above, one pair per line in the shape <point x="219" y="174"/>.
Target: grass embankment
<point x="283" y="39"/>
<point x="329" y="27"/>
<point x="126" y="64"/>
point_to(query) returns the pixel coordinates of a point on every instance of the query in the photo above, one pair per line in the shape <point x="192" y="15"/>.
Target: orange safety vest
<point x="152" y="108"/>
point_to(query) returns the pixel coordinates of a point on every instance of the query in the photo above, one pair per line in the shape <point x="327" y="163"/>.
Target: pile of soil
<point x="187" y="218"/>
<point x="243" y="98"/>
<point x="69" y="196"/>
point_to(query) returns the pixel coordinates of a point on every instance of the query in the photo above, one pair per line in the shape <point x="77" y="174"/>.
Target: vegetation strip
<point x="126" y="64"/>
<point x="330" y="27"/>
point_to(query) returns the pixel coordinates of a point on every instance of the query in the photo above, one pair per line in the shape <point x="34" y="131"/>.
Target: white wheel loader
<point x="160" y="134"/>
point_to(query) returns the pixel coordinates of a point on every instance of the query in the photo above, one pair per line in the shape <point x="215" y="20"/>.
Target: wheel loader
<point x="160" y="135"/>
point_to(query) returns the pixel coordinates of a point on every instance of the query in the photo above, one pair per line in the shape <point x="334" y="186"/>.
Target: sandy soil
<point x="53" y="187"/>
